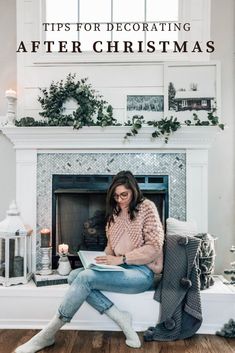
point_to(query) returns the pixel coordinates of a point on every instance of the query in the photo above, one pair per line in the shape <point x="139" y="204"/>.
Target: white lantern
<point x="15" y="249"/>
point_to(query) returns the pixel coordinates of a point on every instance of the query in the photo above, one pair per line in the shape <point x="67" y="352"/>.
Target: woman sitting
<point x="135" y="242"/>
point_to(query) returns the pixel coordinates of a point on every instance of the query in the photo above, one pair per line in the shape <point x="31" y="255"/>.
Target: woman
<point x="135" y="240"/>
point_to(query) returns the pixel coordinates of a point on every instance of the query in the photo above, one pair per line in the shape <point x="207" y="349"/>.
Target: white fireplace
<point x="41" y="145"/>
<point x="36" y="146"/>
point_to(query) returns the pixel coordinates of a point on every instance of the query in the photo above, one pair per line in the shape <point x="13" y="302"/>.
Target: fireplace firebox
<point x="78" y="210"/>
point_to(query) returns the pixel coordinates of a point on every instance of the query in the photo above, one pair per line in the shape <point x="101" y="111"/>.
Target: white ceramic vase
<point x="64" y="267"/>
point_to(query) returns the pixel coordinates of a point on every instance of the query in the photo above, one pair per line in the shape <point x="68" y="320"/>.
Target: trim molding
<point x="109" y="138"/>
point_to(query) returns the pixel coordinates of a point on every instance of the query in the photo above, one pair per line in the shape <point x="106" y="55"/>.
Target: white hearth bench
<point x="30" y="307"/>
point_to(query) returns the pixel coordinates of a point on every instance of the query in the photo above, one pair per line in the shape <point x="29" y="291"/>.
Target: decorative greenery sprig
<point x="136" y="125"/>
<point x="212" y="120"/>
<point x="165" y="127"/>
<point x="29" y="122"/>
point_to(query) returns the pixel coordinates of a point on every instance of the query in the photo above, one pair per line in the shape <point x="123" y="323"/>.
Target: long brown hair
<point x="127" y="179"/>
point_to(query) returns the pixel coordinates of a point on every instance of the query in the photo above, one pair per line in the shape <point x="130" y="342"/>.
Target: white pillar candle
<point x="63" y="248"/>
<point x="10" y="93"/>
<point x="45" y="238"/>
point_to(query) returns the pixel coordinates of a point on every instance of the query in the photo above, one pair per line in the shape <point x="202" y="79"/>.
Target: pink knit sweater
<point x="140" y="240"/>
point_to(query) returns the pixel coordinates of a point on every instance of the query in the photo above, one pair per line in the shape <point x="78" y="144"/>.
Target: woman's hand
<point x="109" y="260"/>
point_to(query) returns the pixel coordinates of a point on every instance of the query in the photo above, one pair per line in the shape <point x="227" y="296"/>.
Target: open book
<point x="88" y="260"/>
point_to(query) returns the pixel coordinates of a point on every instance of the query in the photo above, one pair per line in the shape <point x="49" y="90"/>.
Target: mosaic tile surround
<point x="172" y="164"/>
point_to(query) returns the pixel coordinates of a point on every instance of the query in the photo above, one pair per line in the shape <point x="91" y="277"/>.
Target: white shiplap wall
<point x="114" y="82"/>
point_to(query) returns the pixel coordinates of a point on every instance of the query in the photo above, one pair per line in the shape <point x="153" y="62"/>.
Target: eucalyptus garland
<point x="92" y="110"/>
<point x="166" y="126"/>
<point x="30" y="122"/>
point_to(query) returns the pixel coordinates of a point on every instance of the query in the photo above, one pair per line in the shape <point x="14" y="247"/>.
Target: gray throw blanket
<point x="178" y="291"/>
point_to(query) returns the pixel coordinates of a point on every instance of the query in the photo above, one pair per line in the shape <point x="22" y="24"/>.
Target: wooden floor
<point x="113" y="342"/>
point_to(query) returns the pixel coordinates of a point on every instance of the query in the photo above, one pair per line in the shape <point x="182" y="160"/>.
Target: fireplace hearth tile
<point x="172" y="164"/>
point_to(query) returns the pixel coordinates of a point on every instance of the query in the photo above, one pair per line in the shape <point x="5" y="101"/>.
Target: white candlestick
<point x="11" y="110"/>
<point x="46" y="267"/>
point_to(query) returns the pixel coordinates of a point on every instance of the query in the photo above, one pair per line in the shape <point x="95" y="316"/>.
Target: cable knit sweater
<point x="140" y="240"/>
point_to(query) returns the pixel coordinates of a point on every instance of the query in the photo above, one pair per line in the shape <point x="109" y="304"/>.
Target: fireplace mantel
<point x="108" y="138"/>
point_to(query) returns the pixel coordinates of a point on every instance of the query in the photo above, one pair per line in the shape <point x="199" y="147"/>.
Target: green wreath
<point x="92" y="109"/>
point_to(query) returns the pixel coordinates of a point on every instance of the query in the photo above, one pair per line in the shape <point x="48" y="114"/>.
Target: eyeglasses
<point x="124" y="195"/>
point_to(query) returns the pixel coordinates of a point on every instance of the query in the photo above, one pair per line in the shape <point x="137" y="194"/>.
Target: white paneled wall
<point x="114" y="82"/>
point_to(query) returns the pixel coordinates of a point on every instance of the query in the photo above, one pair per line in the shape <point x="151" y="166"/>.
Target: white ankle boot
<point x="123" y="319"/>
<point x="44" y="338"/>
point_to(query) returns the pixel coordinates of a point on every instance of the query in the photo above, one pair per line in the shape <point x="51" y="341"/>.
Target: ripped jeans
<point x="85" y="285"/>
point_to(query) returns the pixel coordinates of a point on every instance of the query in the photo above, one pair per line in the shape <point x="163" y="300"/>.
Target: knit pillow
<point x="176" y="227"/>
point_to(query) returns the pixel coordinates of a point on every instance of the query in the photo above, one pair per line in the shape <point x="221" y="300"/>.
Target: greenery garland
<point x="166" y="126"/>
<point x="92" y="110"/>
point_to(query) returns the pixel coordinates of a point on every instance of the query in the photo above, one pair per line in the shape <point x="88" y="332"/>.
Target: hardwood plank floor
<point x="114" y="342"/>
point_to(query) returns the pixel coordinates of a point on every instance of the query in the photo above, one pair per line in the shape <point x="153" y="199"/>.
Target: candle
<point x="10" y="93"/>
<point x="45" y="238"/>
<point x="63" y="249"/>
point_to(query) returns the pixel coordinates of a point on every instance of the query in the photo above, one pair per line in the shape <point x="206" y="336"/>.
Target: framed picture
<point x="151" y="106"/>
<point x="192" y="88"/>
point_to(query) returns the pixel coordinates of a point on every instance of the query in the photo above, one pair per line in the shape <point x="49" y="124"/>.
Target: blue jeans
<point x="87" y="284"/>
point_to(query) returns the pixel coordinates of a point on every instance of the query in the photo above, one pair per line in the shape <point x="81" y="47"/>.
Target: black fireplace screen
<point x="78" y="210"/>
<point x="81" y="221"/>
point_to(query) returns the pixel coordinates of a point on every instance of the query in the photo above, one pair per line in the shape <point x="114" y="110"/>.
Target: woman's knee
<point x="73" y="274"/>
<point x="86" y="277"/>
